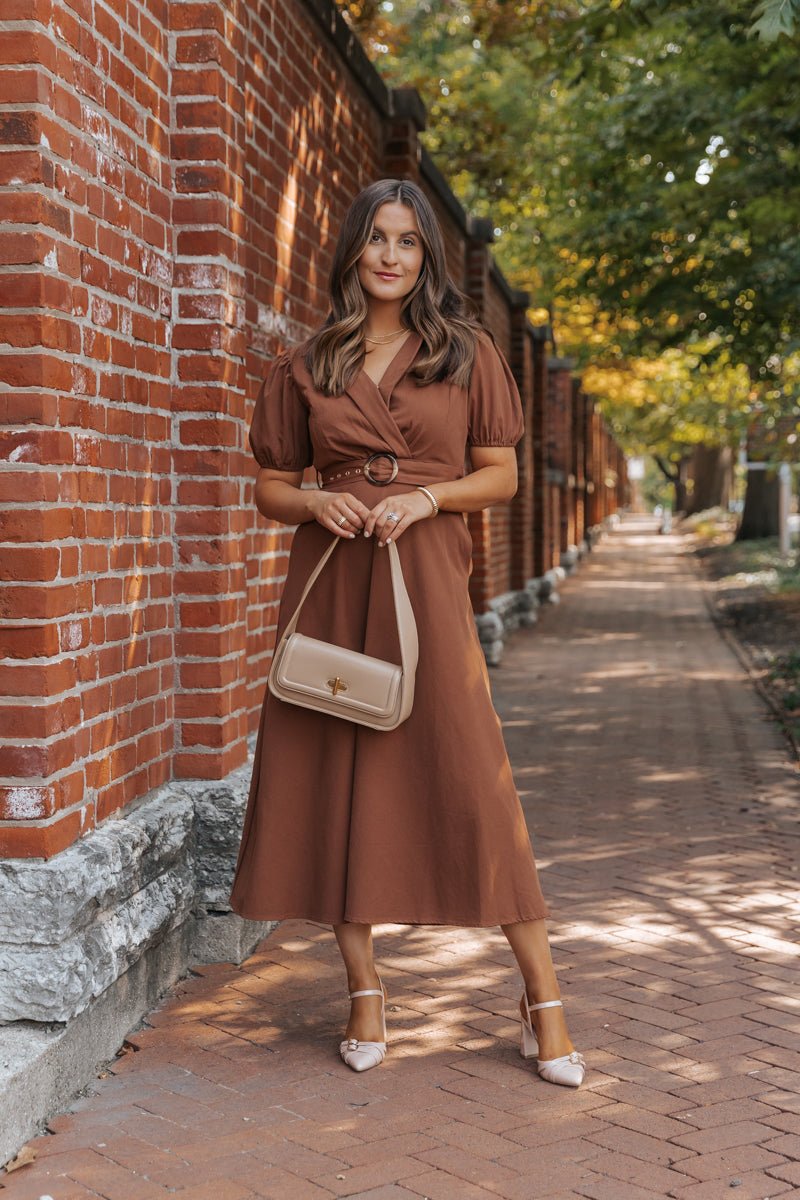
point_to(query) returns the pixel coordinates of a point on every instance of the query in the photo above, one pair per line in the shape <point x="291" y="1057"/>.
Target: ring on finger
<point x="342" y="521"/>
<point x="392" y="516"/>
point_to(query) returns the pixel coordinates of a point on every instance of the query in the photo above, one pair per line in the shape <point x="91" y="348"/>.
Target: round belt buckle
<point x="380" y="454"/>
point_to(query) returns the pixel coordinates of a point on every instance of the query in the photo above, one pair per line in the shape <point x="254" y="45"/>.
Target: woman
<point x="345" y="824"/>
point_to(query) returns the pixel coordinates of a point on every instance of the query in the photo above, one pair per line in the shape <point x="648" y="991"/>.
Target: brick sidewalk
<point x="663" y="809"/>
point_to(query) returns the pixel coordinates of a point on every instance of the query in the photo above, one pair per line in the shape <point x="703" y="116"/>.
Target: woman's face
<point x="392" y="259"/>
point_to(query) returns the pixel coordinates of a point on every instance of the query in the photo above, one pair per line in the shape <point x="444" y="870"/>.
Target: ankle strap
<point x="546" y="1004"/>
<point x="367" y="992"/>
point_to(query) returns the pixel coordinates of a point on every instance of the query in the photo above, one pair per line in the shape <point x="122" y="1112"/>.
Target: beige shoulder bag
<point x="346" y="683"/>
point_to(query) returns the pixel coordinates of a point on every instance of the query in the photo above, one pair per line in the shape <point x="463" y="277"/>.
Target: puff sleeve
<point x="495" y="416"/>
<point x="279" y="436"/>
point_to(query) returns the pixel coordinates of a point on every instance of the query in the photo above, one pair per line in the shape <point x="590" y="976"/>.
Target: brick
<point x="787" y="1172"/>
<point x="46" y="840"/>
<point x="787" y="1144"/>
<point x="730" y="1162"/>
<point x="650" y="1149"/>
<point x="708" y="1141"/>
<point x="730" y="1111"/>
<point x="634" y="1170"/>
<point x="370" y="1175"/>
<point x="749" y="1185"/>
<point x="715" y="1091"/>
<point x="615" y="1189"/>
<point x="439" y="1185"/>
<point x="652" y="1124"/>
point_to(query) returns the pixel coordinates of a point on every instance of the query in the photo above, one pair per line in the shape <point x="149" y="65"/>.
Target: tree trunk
<point x="760" y="516"/>
<point x="711" y="471"/>
<point x="681" y="495"/>
<point x="677" y="478"/>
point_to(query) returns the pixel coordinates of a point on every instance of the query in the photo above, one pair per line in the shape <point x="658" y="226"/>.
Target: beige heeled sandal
<point x="363" y="1055"/>
<point x="569" y="1069"/>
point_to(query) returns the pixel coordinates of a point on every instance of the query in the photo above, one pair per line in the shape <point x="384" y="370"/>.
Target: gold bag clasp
<point x="337" y="685"/>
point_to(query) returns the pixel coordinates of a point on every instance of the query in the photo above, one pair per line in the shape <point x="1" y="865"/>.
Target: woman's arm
<point x="280" y="497"/>
<point x="493" y="480"/>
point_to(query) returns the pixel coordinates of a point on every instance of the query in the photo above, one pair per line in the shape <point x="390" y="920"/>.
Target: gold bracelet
<point x="430" y="496"/>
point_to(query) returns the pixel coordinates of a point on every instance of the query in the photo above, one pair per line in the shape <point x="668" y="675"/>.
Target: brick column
<point x="401" y="152"/>
<point x="594" y="482"/>
<point x="539" y="436"/>
<point x="604" y="468"/>
<point x="477" y="262"/>
<point x="85" y="194"/>
<point x="578" y="470"/>
<point x="208" y="392"/>
<point x="476" y="275"/>
<point x="521" y="363"/>
<point x="558" y="451"/>
<point x="588" y="483"/>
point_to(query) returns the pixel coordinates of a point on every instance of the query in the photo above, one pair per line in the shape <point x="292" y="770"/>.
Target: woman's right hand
<point x="330" y="507"/>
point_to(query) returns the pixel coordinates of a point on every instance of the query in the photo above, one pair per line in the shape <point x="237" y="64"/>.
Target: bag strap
<point x="404" y="613"/>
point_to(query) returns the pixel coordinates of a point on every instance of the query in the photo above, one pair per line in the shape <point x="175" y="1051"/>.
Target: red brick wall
<point x="454" y="239"/>
<point x="498" y="313"/>
<point x="85" y="207"/>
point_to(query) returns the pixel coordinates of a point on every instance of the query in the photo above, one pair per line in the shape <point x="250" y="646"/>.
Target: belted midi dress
<point x="422" y="824"/>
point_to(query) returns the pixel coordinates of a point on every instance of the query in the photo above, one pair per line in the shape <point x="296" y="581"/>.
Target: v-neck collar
<point x="373" y="399"/>
<point x="396" y="367"/>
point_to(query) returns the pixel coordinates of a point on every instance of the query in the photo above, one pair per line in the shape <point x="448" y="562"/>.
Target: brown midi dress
<point x="422" y="824"/>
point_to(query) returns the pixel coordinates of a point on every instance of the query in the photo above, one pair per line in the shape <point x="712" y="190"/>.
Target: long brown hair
<point x="434" y="308"/>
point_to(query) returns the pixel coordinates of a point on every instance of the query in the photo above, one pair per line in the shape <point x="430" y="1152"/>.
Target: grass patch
<point x="757" y="596"/>
<point x="755" y="563"/>
<point x="786" y="673"/>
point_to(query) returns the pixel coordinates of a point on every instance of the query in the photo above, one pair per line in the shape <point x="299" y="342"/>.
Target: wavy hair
<point x="434" y="308"/>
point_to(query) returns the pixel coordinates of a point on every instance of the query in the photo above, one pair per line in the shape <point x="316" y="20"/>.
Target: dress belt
<point x="409" y="470"/>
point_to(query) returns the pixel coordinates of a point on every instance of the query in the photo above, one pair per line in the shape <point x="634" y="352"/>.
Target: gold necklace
<point x="384" y="338"/>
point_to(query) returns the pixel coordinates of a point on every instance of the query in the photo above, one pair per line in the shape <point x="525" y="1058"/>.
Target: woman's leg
<point x="355" y="944"/>
<point x="528" y="940"/>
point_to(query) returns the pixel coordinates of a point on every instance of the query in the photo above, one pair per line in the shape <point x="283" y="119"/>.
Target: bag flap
<point x="310" y="666"/>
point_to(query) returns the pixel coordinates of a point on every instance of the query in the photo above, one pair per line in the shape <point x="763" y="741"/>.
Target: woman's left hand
<point x="408" y="506"/>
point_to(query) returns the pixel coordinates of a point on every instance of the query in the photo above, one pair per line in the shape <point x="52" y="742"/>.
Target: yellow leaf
<point x="26" y="1156"/>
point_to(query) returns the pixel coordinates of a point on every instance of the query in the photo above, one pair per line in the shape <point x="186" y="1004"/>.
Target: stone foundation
<point x="90" y="939"/>
<point x="520" y="609"/>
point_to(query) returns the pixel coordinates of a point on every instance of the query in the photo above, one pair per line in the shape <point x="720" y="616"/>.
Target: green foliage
<point x="670" y="404"/>
<point x="685" y="183"/>
<point x="757" y="563"/>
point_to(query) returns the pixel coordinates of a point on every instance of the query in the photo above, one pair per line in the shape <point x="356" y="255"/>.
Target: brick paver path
<point x="663" y="808"/>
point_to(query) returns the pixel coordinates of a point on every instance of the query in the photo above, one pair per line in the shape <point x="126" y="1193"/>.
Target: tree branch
<point x="672" y="476"/>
